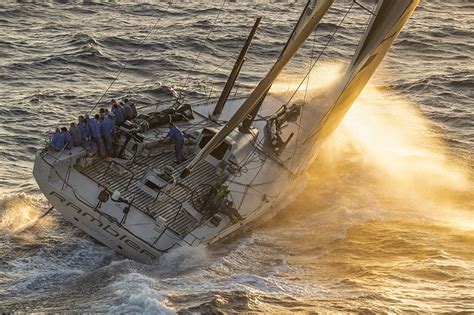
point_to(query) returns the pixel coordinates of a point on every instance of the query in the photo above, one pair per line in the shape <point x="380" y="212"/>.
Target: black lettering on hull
<point x="55" y="194"/>
<point x="100" y="224"/>
<point x="132" y="244"/>
<point x="111" y="231"/>
<point x="122" y="238"/>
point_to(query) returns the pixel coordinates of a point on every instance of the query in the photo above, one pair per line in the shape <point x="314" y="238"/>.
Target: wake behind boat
<point x="242" y="162"/>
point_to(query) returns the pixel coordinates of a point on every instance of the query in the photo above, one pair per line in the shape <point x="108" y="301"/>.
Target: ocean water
<point x="386" y="223"/>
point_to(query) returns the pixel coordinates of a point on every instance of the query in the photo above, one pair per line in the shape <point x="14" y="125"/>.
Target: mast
<point x="247" y="123"/>
<point x="299" y="37"/>
<point x="235" y="70"/>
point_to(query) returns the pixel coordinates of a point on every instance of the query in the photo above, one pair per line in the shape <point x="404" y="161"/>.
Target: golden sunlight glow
<point x="388" y="136"/>
<point x="19" y="213"/>
<point x="324" y="75"/>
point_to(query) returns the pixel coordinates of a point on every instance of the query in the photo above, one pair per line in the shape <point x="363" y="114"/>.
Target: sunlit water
<point x="385" y="224"/>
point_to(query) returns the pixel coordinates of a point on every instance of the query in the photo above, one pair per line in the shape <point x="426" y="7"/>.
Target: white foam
<point x="51" y="266"/>
<point x="135" y="293"/>
<point x="183" y="258"/>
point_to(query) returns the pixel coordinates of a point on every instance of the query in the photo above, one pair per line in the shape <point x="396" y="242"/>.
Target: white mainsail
<point x="390" y="16"/>
<point x="310" y="18"/>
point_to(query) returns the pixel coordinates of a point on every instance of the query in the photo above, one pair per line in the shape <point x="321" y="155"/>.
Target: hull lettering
<point x="107" y="228"/>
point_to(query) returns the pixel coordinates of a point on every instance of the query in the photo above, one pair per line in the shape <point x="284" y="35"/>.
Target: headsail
<point x="311" y="20"/>
<point x="390" y="16"/>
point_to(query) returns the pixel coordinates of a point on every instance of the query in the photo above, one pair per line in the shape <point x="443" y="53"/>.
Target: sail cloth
<point x="308" y="11"/>
<point x="308" y="21"/>
<point x="390" y="16"/>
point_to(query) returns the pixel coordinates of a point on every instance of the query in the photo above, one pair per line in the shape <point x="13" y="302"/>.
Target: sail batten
<point x="308" y="24"/>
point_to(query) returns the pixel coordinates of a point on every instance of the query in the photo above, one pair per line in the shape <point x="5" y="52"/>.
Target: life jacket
<point x="221" y="192"/>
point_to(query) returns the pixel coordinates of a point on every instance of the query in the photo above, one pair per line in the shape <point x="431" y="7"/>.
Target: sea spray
<point x="18" y="212"/>
<point x="403" y="162"/>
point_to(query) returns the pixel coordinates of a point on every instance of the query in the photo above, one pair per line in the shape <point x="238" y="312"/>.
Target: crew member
<point x="84" y="128"/>
<point x="94" y="131"/>
<point x="107" y="129"/>
<point x="76" y="134"/>
<point x="127" y="110"/>
<point x="58" y="140"/>
<point x="119" y="119"/>
<point x="178" y="138"/>
<point x="130" y="107"/>
<point x="67" y="138"/>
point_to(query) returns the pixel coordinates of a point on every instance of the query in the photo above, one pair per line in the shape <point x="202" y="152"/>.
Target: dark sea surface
<point x="386" y="223"/>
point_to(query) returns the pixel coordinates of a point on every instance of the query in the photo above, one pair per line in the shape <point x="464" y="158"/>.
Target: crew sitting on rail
<point x="57" y="141"/>
<point x="67" y="138"/>
<point x="61" y="139"/>
<point x="75" y="134"/>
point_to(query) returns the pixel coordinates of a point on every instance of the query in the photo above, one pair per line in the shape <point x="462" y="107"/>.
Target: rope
<point x="364" y="8"/>
<point x="321" y="53"/>
<point x="202" y="47"/>
<point x="306" y="77"/>
<point x="361" y="39"/>
<point x="133" y="55"/>
<point x="304" y="102"/>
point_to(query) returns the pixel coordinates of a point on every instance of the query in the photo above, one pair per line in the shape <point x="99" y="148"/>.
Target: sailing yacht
<point x="244" y="161"/>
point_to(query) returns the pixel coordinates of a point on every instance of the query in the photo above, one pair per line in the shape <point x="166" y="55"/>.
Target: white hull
<point x="75" y="196"/>
<point x="264" y="169"/>
<point x="104" y="229"/>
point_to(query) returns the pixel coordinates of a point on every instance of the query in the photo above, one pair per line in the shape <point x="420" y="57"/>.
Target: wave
<point x="18" y="212"/>
<point x="81" y="40"/>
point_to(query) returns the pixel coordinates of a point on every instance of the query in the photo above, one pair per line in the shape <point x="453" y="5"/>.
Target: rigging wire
<point x="131" y="57"/>
<point x="304" y="101"/>
<point x="202" y="47"/>
<point x="366" y="26"/>
<point x="306" y="77"/>
<point x="364" y="7"/>
<point x="205" y="82"/>
<point x="258" y="148"/>
<point x="322" y="52"/>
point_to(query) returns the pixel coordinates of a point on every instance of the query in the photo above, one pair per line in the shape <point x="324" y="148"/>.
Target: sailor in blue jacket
<point x="84" y="128"/>
<point x="107" y="129"/>
<point x="94" y="131"/>
<point x="67" y="138"/>
<point x="58" y="140"/>
<point x="119" y="117"/>
<point x="178" y="138"/>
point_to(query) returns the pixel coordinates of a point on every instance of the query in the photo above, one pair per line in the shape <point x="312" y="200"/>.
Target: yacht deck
<point x="107" y="174"/>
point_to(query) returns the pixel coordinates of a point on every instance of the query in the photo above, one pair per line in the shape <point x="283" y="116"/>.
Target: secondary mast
<point x="250" y="103"/>
<point x="235" y="70"/>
